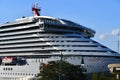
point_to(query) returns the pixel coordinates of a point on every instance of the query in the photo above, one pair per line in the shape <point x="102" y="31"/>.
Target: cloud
<point x="115" y="32"/>
<point x="102" y="36"/>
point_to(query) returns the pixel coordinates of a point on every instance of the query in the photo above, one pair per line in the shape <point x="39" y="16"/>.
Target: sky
<point x="103" y="16"/>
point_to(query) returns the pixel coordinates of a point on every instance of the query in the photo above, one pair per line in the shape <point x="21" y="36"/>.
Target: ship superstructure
<point x="28" y="42"/>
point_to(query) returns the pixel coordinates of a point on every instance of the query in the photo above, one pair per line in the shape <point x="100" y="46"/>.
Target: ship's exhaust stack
<point x="36" y="10"/>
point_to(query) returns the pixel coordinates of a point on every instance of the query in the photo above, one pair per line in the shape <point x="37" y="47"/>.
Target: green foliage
<point x="102" y="76"/>
<point x="50" y="71"/>
<point x="95" y="76"/>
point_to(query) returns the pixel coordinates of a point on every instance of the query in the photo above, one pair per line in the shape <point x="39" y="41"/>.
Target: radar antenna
<point x="36" y="9"/>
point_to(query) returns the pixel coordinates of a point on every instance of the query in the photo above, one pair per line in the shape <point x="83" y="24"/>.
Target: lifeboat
<point x="7" y="60"/>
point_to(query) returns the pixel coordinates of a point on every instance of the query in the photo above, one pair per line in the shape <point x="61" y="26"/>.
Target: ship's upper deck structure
<point x="43" y="34"/>
<point x="55" y="23"/>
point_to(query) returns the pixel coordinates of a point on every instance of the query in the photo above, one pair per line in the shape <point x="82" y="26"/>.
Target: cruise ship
<point x="29" y="41"/>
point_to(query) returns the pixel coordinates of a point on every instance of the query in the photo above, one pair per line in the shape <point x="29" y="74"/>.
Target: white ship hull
<point x="31" y="69"/>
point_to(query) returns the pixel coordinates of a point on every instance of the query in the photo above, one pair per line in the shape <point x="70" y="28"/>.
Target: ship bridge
<point x="55" y="24"/>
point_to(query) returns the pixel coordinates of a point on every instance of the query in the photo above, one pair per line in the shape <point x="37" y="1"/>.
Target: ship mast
<point x="36" y="9"/>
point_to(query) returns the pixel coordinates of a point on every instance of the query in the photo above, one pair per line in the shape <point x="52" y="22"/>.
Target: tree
<point x="69" y="71"/>
<point x="102" y="76"/>
<point x="95" y="76"/>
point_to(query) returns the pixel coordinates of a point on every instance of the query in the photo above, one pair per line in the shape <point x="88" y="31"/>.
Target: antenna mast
<point x="118" y="41"/>
<point x="36" y="9"/>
